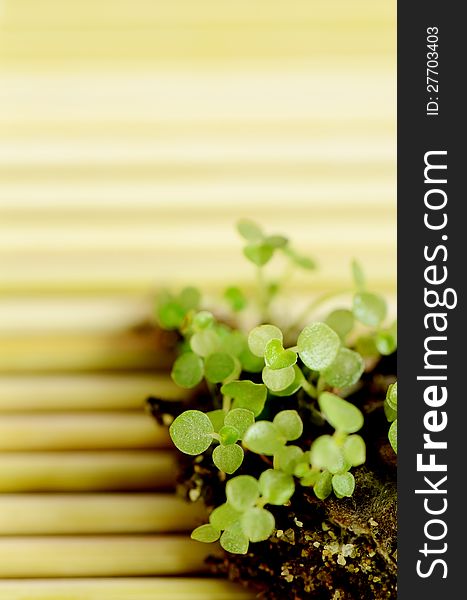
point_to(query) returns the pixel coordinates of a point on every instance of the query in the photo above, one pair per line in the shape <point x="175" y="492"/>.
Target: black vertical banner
<point x="432" y="258"/>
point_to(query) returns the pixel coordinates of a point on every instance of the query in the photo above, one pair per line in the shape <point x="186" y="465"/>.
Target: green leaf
<point x="287" y="458"/>
<point x="259" y="253"/>
<point x="304" y="262"/>
<point x="260" y="336"/>
<point x="191" y="432"/>
<point x="276" y="357"/>
<point x="345" y="370"/>
<point x="187" y="370"/>
<point x="250" y="362"/>
<point x="354" y="450"/>
<point x="369" y="309"/>
<point x="224" y="516"/>
<point x="366" y="346"/>
<point x="249" y="230"/>
<point x="341" y="321"/>
<point x="203" y="320"/>
<point x="358" y="275"/>
<point x="241" y="419"/>
<point x="205" y="342"/>
<point x="228" y="435"/>
<point x="218" y="367"/>
<point x="205" y="533"/>
<point x="257" y="524"/>
<point x="342" y="415"/>
<point x="323" y="487"/>
<point x="392" y="435"/>
<point x="234" y="540"/>
<point x="276" y="487"/>
<point x="263" y="438"/>
<point x="236" y="298"/>
<point x="217" y="418"/>
<point x="289" y="424"/>
<point x="391" y="414"/>
<point x="294" y="386"/>
<point x="326" y="454"/>
<point x="386" y="342"/>
<point x="310" y="478"/>
<point x="242" y="492"/>
<point x="318" y="345"/>
<point x="343" y="484"/>
<point x="279" y="379"/>
<point x="189" y="298"/>
<point x="170" y="315"/>
<point x="228" y="458"/>
<point x="246" y="394"/>
<point x="391" y="396"/>
<point x="276" y="241"/>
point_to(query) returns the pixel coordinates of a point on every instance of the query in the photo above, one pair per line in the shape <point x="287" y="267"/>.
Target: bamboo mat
<point x="133" y="134"/>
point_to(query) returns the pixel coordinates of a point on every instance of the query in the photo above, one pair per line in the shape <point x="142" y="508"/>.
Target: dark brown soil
<point x="337" y="549"/>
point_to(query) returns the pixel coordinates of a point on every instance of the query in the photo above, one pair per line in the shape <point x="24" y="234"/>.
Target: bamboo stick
<point x="91" y="431"/>
<point x="87" y="471"/>
<point x="84" y="392"/>
<point x="136" y="588"/>
<point x="83" y="352"/>
<point x="58" y="514"/>
<point x="101" y="556"/>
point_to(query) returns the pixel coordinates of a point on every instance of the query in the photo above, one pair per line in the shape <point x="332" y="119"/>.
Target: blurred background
<point x="133" y="135"/>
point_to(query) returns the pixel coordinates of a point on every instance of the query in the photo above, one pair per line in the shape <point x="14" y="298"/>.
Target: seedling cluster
<point x="247" y="374"/>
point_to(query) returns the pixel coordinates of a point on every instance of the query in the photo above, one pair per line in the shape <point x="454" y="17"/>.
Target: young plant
<point x="390" y="409"/>
<point x="249" y="376"/>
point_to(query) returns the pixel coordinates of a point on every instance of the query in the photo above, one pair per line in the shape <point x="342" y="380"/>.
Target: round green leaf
<point x="191" y="432"/>
<point x="205" y="342"/>
<point x="249" y="230"/>
<point x="276" y="357"/>
<point x="354" y="450"/>
<point x="236" y="298"/>
<point x="343" y="484"/>
<point x="257" y="524"/>
<point x="258" y="253"/>
<point x="391" y="396"/>
<point x="366" y="346"/>
<point x="228" y="435"/>
<point x="326" y="454"/>
<point x="170" y="315"/>
<point x="241" y="419"/>
<point x="187" y="370"/>
<point x="289" y="424"/>
<point x="228" y="458"/>
<point x="341" y="321"/>
<point x="224" y="516"/>
<point x="339" y="413"/>
<point x="318" y="345"/>
<point x="217" y="418"/>
<point x="189" y="298"/>
<point x="369" y="309"/>
<point x="242" y="492"/>
<point x="260" y="336"/>
<point x="276" y="487"/>
<point x="346" y="369"/>
<point x="203" y="320"/>
<point x="392" y="435"/>
<point x="246" y="394"/>
<point x="263" y="438"/>
<point x="218" y="367"/>
<point x="205" y="533"/>
<point x="280" y="379"/>
<point x="234" y="540"/>
<point x="287" y="458"/>
<point x="250" y="362"/>
<point x="323" y="487"/>
<point x="296" y="384"/>
<point x="386" y="342"/>
<point x="310" y="478"/>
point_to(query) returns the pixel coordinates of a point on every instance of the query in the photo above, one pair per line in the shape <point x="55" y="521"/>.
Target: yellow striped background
<point x="133" y="134"/>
